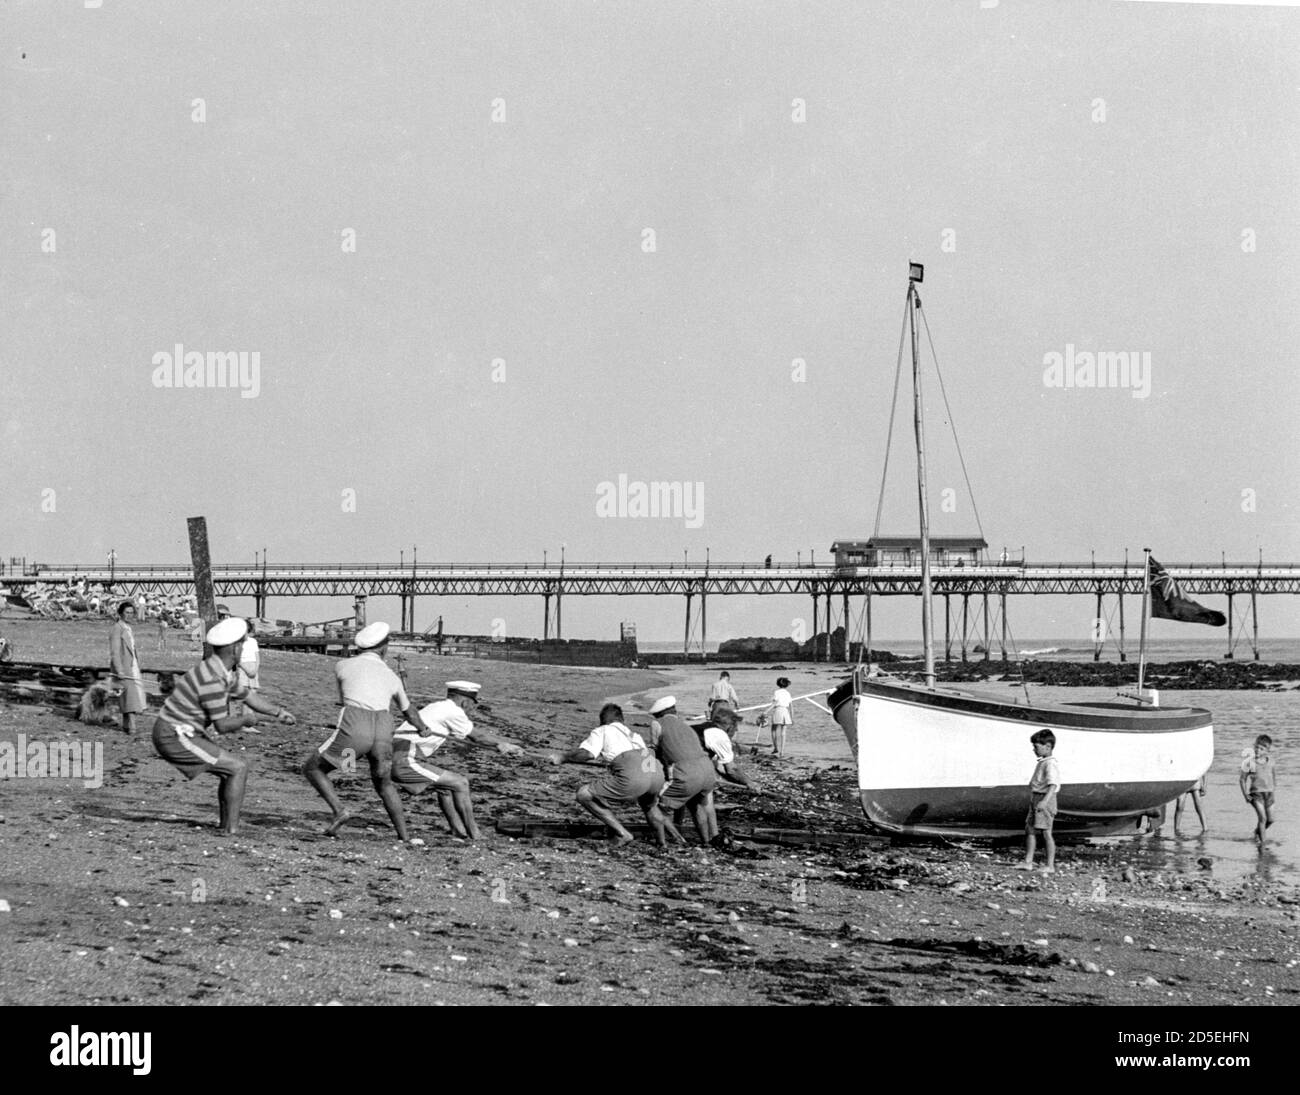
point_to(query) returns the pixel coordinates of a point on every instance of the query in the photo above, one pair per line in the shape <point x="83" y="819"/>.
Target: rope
<point x="952" y="422"/>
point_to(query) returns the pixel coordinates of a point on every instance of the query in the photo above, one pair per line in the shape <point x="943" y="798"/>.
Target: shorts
<point x="413" y="771"/>
<point x="188" y="751"/>
<point x="781" y="717"/>
<point x="694" y="777"/>
<point x="359" y="731"/>
<point x="1265" y="797"/>
<point x="629" y="777"/>
<point x="1041" y="813"/>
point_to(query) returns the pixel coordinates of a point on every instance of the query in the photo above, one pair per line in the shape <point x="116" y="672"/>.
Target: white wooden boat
<point x="946" y="761"/>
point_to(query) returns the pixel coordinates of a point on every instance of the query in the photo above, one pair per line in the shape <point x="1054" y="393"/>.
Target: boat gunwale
<point x="1069" y="716"/>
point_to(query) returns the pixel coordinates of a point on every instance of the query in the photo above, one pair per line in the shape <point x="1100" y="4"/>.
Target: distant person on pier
<point x="768" y="562"/>
<point x="722" y="694"/>
<point x="446" y="718"/>
<point x="691" y="778"/>
<point x="197" y="713"/>
<point x="125" y="666"/>
<point x="634" y="775"/>
<point x="367" y="689"/>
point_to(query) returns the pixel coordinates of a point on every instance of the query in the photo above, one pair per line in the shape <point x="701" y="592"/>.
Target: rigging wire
<point x="889" y="439"/>
<point x="953" y="423"/>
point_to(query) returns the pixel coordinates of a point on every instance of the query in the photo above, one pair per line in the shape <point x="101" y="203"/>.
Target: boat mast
<point x="916" y="273"/>
<point x="1146" y="606"/>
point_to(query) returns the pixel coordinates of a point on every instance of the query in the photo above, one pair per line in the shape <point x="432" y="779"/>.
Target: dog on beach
<point x="99" y="705"/>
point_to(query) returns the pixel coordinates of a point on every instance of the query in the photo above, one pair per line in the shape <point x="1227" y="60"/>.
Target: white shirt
<point x="250" y="661"/>
<point x="366" y="682"/>
<point x="722" y="690"/>
<point x="612" y="740"/>
<point x="718" y="743"/>
<point x="782" y="698"/>
<point x="446" y="719"/>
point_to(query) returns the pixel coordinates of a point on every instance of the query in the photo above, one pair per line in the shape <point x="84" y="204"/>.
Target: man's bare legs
<point x="319" y="777"/>
<point x="232" y="778"/>
<point x="589" y="802"/>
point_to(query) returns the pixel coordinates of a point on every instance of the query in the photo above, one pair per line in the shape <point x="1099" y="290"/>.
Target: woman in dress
<point x="125" y="666"/>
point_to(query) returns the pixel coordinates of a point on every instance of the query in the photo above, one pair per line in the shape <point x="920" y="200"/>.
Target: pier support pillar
<point x="830" y="617"/>
<point x="559" y="609"/>
<point x="867" y="609"/>
<point x="814" y="626"/>
<point x="686" y="635"/>
<point x="1231" y="621"/>
<point x="1254" y="626"/>
<point x="704" y="625"/>
<point x="358" y="610"/>
<point x="965" y="615"/>
<point x="546" y="615"/>
<point x="1003" y="597"/>
<point x="848" y="631"/>
<point x="1098" y="630"/>
<point x="986" y="627"/>
<point x="1122" y="655"/>
<point x="947" y="628"/>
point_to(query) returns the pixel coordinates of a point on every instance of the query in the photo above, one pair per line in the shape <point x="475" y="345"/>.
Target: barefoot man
<point x="449" y="718"/>
<point x="367" y="689"/>
<point x="197" y="713"/>
<point x="634" y="775"/>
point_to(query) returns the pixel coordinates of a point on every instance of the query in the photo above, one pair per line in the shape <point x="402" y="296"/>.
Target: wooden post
<point x="202" y="563"/>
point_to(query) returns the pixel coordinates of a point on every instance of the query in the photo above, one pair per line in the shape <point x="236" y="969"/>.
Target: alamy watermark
<point x="634" y="498"/>
<point x="1103" y="369"/>
<point x="181" y="368"/>
<point x="83" y="760"/>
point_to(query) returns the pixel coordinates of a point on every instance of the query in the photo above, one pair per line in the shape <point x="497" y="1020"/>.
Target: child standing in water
<point x="1257" y="784"/>
<point x="1043" y="787"/>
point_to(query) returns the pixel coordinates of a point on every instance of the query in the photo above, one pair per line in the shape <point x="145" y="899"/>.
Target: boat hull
<point x="947" y="762"/>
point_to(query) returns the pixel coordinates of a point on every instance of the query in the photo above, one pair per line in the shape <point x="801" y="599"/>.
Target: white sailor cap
<point x="371" y="636"/>
<point x="465" y="688"/>
<point x="228" y="631"/>
<point x="662" y="705"/>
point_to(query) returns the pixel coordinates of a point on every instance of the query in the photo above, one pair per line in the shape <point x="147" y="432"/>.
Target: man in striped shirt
<point x="197" y="713"/>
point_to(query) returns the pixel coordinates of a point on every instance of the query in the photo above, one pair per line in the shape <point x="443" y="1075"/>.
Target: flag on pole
<point x="1168" y="602"/>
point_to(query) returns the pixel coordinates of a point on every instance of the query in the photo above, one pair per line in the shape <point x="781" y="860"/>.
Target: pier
<point x="974" y="596"/>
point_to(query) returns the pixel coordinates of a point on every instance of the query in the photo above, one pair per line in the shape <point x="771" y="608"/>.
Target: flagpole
<point x="1146" y="605"/>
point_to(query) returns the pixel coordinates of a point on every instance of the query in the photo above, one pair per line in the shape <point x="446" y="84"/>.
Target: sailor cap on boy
<point x="662" y="705"/>
<point x="229" y="630"/>
<point x="371" y="636"/>
<point x="464" y="688"/>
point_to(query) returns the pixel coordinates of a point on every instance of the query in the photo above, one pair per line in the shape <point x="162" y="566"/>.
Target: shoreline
<point x="104" y="884"/>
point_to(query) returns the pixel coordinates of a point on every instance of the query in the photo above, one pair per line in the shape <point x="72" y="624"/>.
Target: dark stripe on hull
<point x="1085" y="809"/>
<point x="1100" y="717"/>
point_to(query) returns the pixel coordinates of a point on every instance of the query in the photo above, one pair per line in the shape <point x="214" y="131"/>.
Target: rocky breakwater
<point x="769" y="649"/>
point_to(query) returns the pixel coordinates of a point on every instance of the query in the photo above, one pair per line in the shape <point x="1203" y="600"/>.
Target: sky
<point x="493" y="256"/>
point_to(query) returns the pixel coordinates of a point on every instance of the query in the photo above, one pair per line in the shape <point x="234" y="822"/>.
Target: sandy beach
<point x="123" y="893"/>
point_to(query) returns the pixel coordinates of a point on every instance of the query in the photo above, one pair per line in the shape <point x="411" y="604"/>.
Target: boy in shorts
<point x="1043" y="787"/>
<point x="1257" y="784"/>
<point x="634" y="775"/>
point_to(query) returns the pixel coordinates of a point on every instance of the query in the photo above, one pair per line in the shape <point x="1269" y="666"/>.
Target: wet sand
<point x="124" y="893"/>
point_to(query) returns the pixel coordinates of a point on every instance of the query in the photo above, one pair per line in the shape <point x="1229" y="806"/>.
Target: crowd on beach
<point x="670" y="772"/>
